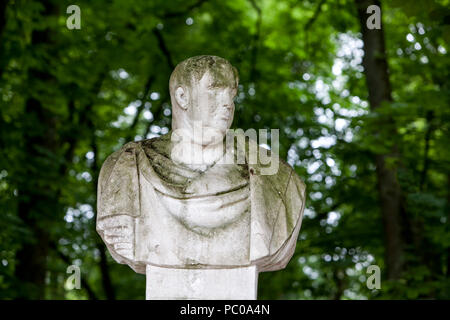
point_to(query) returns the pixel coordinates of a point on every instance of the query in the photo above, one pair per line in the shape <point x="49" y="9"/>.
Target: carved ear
<point x="182" y="97"/>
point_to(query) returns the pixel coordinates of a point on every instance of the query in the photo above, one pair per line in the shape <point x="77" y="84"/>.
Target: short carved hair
<point x="192" y="70"/>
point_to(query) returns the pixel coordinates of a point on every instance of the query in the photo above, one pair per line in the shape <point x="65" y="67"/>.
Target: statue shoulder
<point x="284" y="219"/>
<point x="118" y="183"/>
<point x="294" y="178"/>
<point x="121" y="159"/>
<point x="124" y="161"/>
<point x="286" y="177"/>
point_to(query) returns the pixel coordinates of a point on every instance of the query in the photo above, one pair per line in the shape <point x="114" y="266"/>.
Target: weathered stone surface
<point x="178" y="209"/>
<point x="203" y="284"/>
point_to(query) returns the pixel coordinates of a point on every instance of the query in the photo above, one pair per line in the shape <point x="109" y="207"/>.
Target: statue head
<point x="202" y="90"/>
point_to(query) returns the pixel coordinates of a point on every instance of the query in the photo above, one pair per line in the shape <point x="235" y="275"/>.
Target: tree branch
<point x="104" y="268"/>
<point x="162" y="45"/>
<point x="3" y="7"/>
<point x="426" y="160"/>
<point x="316" y="14"/>
<point x="256" y="38"/>
<point x="180" y="13"/>
<point x="140" y="109"/>
<point x="156" y="115"/>
<point x="323" y="214"/>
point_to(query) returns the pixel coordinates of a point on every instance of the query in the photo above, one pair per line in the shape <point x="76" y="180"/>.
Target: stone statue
<point x="180" y="208"/>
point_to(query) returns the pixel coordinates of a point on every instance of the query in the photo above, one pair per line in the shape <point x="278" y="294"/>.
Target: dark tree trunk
<point x="379" y="88"/>
<point x="340" y="281"/>
<point x="448" y="222"/>
<point x="106" y="279"/>
<point x="38" y="176"/>
<point x="3" y="7"/>
<point x="37" y="201"/>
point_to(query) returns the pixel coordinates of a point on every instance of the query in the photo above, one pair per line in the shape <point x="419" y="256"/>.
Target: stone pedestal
<point x="204" y="284"/>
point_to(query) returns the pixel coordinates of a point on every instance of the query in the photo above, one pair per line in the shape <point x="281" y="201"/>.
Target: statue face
<point x="212" y="106"/>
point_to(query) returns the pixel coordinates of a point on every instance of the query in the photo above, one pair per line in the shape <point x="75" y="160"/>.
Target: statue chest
<point x="206" y="222"/>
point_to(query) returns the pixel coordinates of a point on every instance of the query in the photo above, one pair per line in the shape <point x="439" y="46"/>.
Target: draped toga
<point x="229" y="215"/>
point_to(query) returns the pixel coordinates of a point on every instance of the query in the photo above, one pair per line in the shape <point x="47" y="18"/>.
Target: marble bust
<point x="180" y="208"/>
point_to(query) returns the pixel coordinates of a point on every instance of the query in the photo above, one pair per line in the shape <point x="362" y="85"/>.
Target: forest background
<point x="363" y="117"/>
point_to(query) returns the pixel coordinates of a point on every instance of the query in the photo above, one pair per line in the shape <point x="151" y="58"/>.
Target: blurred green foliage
<point x="300" y="70"/>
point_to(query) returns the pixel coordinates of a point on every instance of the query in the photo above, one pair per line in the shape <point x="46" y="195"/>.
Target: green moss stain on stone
<point x="191" y="70"/>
